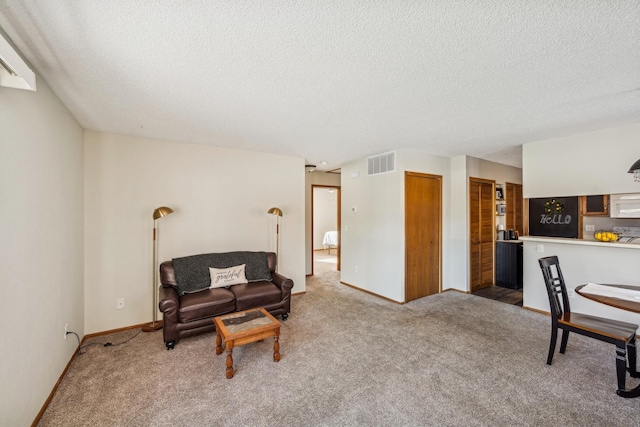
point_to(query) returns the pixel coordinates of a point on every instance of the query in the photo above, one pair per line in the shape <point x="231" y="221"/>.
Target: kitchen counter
<point x="583" y="242"/>
<point x="582" y="262"/>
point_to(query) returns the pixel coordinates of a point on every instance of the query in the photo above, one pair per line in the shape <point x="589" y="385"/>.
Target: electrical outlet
<point x="540" y="248"/>
<point x="120" y="303"/>
<point x="357" y="269"/>
<point x="571" y="293"/>
<point x="590" y="227"/>
<point x="66" y="326"/>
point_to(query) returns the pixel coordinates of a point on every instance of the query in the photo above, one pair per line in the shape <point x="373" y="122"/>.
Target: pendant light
<point x="635" y="170"/>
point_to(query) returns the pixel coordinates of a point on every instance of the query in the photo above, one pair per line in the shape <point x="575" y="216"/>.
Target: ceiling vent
<point x="382" y="163"/>
<point x="14" y="72"/>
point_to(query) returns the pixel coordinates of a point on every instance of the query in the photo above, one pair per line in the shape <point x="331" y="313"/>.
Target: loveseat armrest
<point x="284" y="283"/>
<point x="169" y="306"/>
<point x="169" y="302"/>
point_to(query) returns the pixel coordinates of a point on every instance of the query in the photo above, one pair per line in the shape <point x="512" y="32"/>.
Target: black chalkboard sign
<point x="553" y="217"/>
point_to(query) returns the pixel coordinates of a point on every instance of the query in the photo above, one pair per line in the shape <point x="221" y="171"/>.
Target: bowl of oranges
<point x="606" y="236"/>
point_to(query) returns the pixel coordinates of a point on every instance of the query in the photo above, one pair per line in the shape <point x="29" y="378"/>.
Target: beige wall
<point x="459" y="223"/>
<point x="588" y="163"/>
<point x="41" y="247"/>
<point x="220" y="199"/>
<point x="373" y="234"/>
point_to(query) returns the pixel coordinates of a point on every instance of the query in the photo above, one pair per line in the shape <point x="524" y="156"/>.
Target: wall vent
<point x="382" y="163"/>
<point x="14" y="72"/>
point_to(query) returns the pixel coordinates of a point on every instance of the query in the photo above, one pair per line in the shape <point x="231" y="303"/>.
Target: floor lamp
<point x="278" y="213"/>
<point x="156" y="324"/>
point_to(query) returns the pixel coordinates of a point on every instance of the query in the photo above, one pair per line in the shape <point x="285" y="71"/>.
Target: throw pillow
<point x="223" y="277"/>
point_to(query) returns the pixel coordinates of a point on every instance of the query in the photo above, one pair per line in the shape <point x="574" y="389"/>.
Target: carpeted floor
<point x="351" y="359"/>
<point x="324" y="257"/>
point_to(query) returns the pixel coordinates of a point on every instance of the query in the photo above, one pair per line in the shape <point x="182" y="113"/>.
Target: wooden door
<point x="481" y="232"/>
<point x="515" y="217"/>
<point x="423" y="235"/>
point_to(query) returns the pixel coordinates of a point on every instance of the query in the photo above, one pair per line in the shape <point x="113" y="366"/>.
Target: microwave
<point x="624" y="205"/>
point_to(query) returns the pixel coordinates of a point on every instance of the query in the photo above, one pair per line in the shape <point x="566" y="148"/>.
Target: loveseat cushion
<point x="255" y="294"/>
<point x="207" y="303"/>
<point x="192" y="272"/>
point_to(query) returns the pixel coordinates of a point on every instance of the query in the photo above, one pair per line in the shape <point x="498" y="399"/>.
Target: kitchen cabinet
<point x="514" y="209"/>
<point x="597" y="205"/>
<point x="509" y="264"/>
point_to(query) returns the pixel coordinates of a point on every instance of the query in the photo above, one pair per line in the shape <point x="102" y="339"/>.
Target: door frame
<point x="338" y="219"/>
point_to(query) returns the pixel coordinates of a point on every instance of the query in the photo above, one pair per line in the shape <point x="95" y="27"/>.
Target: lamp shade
<point x="275" y="211"/>
<point x="161" y="211"/>
<point x="635" y="166"/>
<point x="635" y="170"/>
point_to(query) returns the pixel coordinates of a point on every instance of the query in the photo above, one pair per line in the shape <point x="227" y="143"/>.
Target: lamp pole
<point x="277" y="241"/>
<point x="155" y="324"/>
<point x="278" y="213"/>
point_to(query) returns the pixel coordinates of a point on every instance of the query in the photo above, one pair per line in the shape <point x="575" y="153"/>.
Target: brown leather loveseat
<point x="190" y="313"/>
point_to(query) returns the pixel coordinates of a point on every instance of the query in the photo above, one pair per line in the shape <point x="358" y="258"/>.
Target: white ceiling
<point x="338" y="80"/>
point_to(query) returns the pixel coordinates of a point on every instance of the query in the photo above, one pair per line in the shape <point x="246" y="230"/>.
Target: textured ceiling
<point x="338" y="80"/>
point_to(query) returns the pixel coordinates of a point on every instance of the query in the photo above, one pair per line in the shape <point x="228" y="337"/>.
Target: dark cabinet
<point x="509" y="264"/>
<point x="594" y="205"/>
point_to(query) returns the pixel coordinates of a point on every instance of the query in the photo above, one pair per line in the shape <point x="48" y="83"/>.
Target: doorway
<point x="325" y="228"/>
<point x="423" y="235"/>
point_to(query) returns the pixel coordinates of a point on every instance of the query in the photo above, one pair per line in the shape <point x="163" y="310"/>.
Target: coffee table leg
<point x="276" y="346"/>
<point x="229" y="345"/>
<point x="218" y="344"/>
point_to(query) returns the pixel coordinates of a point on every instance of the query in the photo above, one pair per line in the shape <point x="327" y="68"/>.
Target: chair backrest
<point x="556" y="287"/>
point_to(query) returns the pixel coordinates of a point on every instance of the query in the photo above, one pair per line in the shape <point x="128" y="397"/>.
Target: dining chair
<point x="622" y="334"/>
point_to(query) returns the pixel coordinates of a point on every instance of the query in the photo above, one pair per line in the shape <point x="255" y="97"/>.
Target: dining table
<point x="624" y="297"/>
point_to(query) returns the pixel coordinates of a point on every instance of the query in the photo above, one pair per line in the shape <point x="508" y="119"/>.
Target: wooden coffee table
<point x="246" y="327"/>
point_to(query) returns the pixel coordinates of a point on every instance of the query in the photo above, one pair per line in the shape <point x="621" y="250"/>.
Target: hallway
<point x="324" y="262"/>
